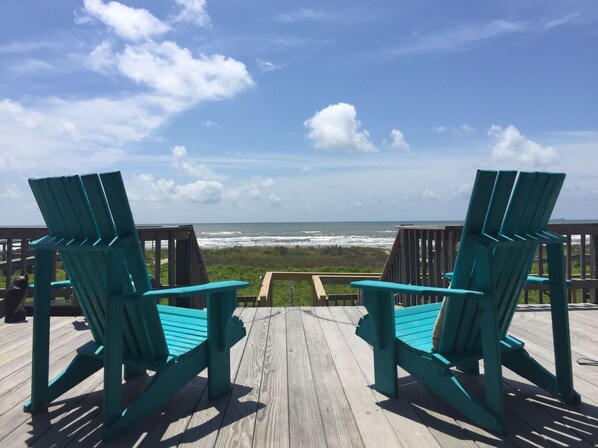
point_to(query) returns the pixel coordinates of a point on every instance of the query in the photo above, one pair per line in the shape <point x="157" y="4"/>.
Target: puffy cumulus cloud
<point x="172" y="70"/>
<point x="193" y="11"/>
<point x="205" y="187"/>
<point x="190" y="168"/>
<point x="398" y="140"/>
<point x="253" y="188"/>
<point x="147" y="188"/>
<point x="128" y="23"/>
<point x="512" y="146"/>
<point x="336" y="128"/>
<point x="163" y="67"/>
<point x="201" y="191"/>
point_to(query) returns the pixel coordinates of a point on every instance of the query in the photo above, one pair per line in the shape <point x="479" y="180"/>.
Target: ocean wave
<point x="380" y="235"/>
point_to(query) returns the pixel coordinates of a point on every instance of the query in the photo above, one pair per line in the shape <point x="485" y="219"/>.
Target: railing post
<point x="594" y="266"/>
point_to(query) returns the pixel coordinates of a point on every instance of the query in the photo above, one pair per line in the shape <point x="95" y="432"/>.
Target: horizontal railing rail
<point x="319" y="296"/>
<point x="422" y="254"/>
<point x="172" y="254"/>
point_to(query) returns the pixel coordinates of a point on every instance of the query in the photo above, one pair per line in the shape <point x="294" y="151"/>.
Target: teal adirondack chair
<point x="91" y="226"/>
<point x="506" y="221"/>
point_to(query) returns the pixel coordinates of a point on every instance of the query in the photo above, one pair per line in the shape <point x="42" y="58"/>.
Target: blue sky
<point x="238" y="111"/>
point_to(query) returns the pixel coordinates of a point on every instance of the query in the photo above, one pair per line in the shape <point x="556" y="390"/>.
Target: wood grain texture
<point x="329" y="389"/>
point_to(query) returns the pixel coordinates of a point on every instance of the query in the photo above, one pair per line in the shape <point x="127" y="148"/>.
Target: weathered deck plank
<point x="338" y="421"/>
<point x="301" y="378"/>
<point x="272" y="421"/>
<point x="202" y="430"/>
<point x="305" y="422"/>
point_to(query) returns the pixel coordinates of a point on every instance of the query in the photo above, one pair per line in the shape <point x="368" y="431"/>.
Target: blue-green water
<point x="362" y="234"/>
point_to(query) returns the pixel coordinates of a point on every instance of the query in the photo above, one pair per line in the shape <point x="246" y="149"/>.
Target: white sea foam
<point x="296" y="234"/>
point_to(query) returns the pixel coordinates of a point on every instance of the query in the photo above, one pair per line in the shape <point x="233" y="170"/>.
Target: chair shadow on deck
<point x="79" y="420"/>
<point x="534" y="416"/>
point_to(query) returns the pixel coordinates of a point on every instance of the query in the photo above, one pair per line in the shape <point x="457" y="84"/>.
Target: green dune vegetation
<point x="251" y="263"/>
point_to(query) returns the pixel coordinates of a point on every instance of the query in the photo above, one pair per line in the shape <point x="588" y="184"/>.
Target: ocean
<point x="362" y="234"/>
<point x="379" y="234"/>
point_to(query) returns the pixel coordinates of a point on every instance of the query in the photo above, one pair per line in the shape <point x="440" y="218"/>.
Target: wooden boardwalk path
<point x="301" y="378"/>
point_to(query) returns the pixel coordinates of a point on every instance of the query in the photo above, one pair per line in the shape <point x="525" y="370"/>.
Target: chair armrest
<point x="183" y="291"/>
<point x="55" y="285"/>
<point x="535" y="280"/>
<point x="418" y="290"/>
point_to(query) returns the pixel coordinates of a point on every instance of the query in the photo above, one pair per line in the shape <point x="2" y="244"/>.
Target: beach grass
<point x="251" y="263"/>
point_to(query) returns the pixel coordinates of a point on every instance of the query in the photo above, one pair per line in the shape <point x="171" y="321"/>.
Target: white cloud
<point x="129" y="23"/>
<point x="302" y="15"/>
<point x="569" y="19"/>
<point x="431" y="194"/>
<point x="207" y="187"/>
<point x="470" y="35"/>
<point x="267" y="66"/>
<point x="11" y="191"/>
<point x="26" y="47"/>
<point x="512" y="146"/>
<point x="336" y="128"/>
<point x="268" y="182"/>
<point x="87" y="133"/>
<point x="91" y="132"/>
<point x="190" y="168"/>
<point x="398" y="140"/>
<point x="172" y="70"/>
<point x="101" y="59"/>
<point x="146" y="188"/>
<point x="463" y="129"/>
<point x="466" y="128"/>
<point x="461" y="37"/>
<point x="202" y="191"/>
<point x="193" y="11"/>
<point x="274" y="200"/>
<point x="33" y="67"/>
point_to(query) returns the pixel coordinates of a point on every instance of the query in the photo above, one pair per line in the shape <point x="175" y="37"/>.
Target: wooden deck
<point x="301" y="378"/>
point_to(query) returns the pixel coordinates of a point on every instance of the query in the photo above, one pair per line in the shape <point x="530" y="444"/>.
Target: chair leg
<point x="380" y="306"/>
<point x="80" y="368"/>
<point x="220" y="310"/>
<point x="218" y="374"/>
<point x="560" y="324"/>
<point x="520" y="362"/>
<point x="440" y="379"/>
<point x="471" y="367"/>
<point x="495" y="400"/>
<point x="385" y="371"/>
<point x="132" y="371"/>
<point x="163" y="386"/>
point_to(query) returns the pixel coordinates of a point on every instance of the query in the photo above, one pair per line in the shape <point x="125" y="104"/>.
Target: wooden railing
<point x="319" y="297"/>
<point x="422" y="254"/>
<point x="172" y="246"/>
<point x="176" y="246"/>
